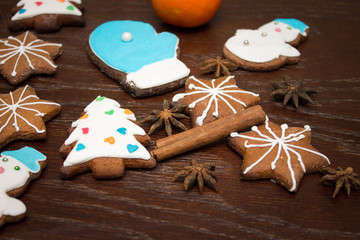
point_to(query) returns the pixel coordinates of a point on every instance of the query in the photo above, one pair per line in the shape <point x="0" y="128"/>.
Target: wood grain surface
<point x="146" y="204"/>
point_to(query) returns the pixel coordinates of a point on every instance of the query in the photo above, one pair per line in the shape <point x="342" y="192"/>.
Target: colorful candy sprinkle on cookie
<point x="132" y="148"/>
<point x="110" y="140"/>
<point x="80" y="147"/>
<point x="110" y="112"/>
<point x="100" y="98"/>
<point x="85" y="130"/>
<point x="121" y="130"/>
<point x="84" y="117"/>
<point x="128" y="112"/>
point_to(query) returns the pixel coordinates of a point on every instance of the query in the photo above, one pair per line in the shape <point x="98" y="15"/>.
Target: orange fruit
<point x="186" y="13"/>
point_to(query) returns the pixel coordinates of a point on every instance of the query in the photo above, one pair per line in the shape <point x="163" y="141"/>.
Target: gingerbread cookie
<point x="105" y="140"/>
<point x="25" y="55"/>
<point x="256" y="50"/>
<point x="144" y="62"/>
<point x="279" y="153"/>
<point x="209" y="100"/>
<point x="290" y="30"/>
<point x="23" y="115"/>
<point x="17" y="169"/>
<point x="46" y="15"/>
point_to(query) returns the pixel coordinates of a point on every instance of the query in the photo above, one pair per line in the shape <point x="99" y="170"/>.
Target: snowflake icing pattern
<point x="14" y="106"/>
<point x="19" y="49"/>
<point x="214" y="94"/>
<point x="283" y="143"/>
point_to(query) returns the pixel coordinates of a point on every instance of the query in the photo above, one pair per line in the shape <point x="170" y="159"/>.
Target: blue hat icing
<point x="28" y="156"/>
<point x="146" y="46"/>
<point x="293" y="23"/>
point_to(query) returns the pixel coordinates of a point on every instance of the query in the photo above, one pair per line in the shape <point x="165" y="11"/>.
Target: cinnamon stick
<point x="208" y="133"/>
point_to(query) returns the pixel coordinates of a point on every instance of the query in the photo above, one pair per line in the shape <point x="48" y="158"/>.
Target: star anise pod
<point x="294" y="90"/>
<point x="202" y="173"/>
<point x="219" y="66"/>
<point x="169" y="117"/>
<point x="340" y="178"/>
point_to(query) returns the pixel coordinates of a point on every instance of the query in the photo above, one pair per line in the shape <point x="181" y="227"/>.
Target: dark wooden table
<point x="146" y="204"/>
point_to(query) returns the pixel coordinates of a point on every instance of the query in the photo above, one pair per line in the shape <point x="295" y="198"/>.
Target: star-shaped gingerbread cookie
<point x="24" y="55"/>
<point x="209" y="100"/>
<point x="278" y="153"/>
<point x="23" y="115"/>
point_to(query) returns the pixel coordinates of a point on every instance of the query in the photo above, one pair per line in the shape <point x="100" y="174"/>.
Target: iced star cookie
<point x="144" y="62"/>
<point x="26" y="55"/>
<point x="209" y="100"/>
<point x="105" y="140"/>
<point x="280" y="153"/>
<point x="23" y="115"/>
<point x="17" y="169"/>
<point x="290" y="30"/>
<point x="256" y="50"/>
<point x="46" y="15"/>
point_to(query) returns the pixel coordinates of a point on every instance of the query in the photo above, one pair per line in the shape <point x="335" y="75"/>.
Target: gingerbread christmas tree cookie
<point x="46" y="15"/>
<point x="105" y="140"/>
<point x="25" y="55"/>
<point x="209" y="100"/>
<point x="279" y="153"/>
<point x="23" y="115"/>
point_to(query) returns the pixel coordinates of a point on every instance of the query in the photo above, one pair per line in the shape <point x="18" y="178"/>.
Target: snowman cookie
<point x="17" y="169"/>
<point x="46" y="15"/>
<point x="256" y="50"/>
<point x="144" y="62"/>
<point x="105" y="140"/>
<point x="290" y="30"/>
